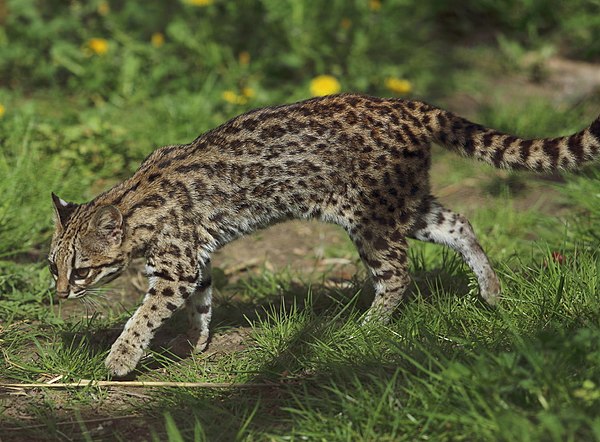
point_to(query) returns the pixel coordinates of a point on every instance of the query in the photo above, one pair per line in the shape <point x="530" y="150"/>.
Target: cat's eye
<point x="81" y="273"/>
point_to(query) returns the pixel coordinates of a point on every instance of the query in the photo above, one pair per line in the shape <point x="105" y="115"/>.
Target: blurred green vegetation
<point x="141" y="49"/>
<point x="144" y="49"/>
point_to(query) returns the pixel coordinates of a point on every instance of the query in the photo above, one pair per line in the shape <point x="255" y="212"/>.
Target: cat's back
<point x="331" y="125"/>
<point x="337" y="134"/>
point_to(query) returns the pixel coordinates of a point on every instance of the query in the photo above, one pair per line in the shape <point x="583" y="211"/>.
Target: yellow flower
<point x="324" y="85"/>
<point x="98" y="46"/>
<point x="248" y="92"/>
<point x="374" y="5"/>
<point x="103" y="8"/>
<point x="2" y="110"/>
<point x="199" y="2"/>
<point x="346" y="23"/>
<point x="398" y="85"/>
<point x="233" y="98"/>
<point x="157" y="39"/>
<point x="244" y="58"/>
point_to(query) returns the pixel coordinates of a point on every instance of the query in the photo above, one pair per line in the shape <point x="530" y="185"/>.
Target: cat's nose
<point x="63" y="295"/>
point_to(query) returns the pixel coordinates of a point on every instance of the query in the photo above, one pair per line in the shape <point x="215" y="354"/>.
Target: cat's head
<point x="87" y="247"/>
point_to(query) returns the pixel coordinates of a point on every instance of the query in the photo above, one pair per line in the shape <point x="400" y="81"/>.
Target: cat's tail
<point x="508" y="151"/>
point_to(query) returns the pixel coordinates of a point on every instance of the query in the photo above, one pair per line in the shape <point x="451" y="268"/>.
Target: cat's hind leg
<point x="442" y="226"/>
<point x="384" y="254"/>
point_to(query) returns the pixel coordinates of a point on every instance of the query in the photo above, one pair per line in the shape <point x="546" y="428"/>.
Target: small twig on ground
<point x="334" y="262"/>
<point x="14" y="364"/>
<point x="243" y="266"/>
<point x="55" y="379"/>
<point x="143" y="384"/>
<point x="453" y="188"/>
<point x="51" y="380"/>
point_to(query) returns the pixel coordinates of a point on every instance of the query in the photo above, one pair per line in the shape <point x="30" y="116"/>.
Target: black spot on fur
<point x="380" y="243"/>
<point x="184" y="292"/>
<point x="508" y="141"/>
<point x="488" y="139"/>
<point x="525" y="150"/>
<point x="498" y="157"/>
<point x="202" y="309"/>
<point x="204" y="284"/>
<point x="551" y="150"/>
<point x="162" y="275"/>
<point x="576" y="147"/>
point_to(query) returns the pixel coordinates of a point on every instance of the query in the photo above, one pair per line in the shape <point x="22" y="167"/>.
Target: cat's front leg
<point x="199" y="311"/>
<point x="167" y="293"/>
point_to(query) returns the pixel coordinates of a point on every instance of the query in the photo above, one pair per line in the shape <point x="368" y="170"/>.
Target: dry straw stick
<point x="144" y="384"/>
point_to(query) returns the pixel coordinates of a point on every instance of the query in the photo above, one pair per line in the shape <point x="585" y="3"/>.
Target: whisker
<point x="100" y="289"/>
<point x="95" y="303"/>
<point x="85" y="303"/>
<point x="99" y="295"/>
<point x="99" y="300"/>
<point x="96" y="292"/>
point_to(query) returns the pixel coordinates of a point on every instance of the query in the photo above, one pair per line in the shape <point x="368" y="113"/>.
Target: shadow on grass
<point x="223" y="414"/>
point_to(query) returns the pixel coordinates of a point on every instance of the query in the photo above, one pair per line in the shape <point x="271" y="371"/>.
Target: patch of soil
<point x="558" y="79"/>
<point x="27" y="414"/>
<point x="228" y="342"/>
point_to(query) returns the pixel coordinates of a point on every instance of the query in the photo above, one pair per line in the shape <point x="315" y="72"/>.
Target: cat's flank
<point x="353" y="160"/>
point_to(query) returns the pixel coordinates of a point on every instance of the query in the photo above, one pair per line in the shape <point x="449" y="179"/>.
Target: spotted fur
<point x="357" y="161"/>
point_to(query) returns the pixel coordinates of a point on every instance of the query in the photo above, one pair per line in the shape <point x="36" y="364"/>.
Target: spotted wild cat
<point x="357" y="161"/>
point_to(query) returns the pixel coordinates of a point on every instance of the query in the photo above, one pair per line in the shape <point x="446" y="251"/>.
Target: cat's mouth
<point x="81" y="292"/>
<point x="78" y="294"/>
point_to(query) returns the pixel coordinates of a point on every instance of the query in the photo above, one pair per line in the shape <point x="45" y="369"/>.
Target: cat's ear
<point x="107" y="222"/>
<point x="63" y="210"/>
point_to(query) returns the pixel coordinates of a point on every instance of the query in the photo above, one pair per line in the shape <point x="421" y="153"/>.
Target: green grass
<point x="446" y="368"/>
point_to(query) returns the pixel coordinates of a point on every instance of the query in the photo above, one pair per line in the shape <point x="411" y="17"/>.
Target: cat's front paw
<point x="122" y="358"/>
